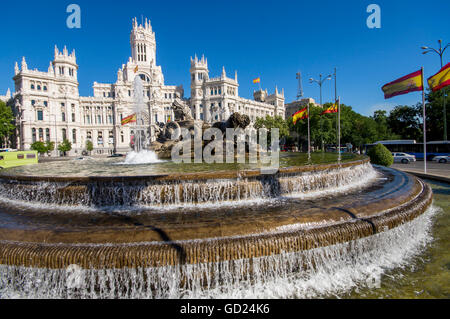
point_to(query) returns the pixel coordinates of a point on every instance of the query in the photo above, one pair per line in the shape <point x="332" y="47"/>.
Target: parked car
<point x="403" y="158"/>
<point x="441" y="159"/>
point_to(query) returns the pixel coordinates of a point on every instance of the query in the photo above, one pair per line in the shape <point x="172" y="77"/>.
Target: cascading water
<point x="303" y="232"/>
<point x="321" y="272"/>
<point x="148" y="192"/>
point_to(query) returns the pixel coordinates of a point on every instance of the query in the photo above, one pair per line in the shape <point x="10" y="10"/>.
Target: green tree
<point x="404" y="121"/>
<point x="40" y="147"/>
<point x="65" y="147"/>
<point x="270" y="122"/>
<point x="6" y="123"/>
<point x="50" y="147"/>
<point x="435" y="114"/>
<point x="383" y="129"/>
<point x="89" y="146"/>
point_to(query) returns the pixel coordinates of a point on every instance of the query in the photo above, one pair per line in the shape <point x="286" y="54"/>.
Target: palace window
<point x="73" y="117"/>
<point x="39" y="87"/>
<point x="74" y="136"/>
<point x="64" y="134"/>
<point x="63" y="116"/>
<point x="41" y="135"/>
<point x="100" y="138"/>
<point x="45" y="103"/>
<point x="32" y="86"/>
<point x="47" y="135"/>
<point x="89" y="135"/>
<point x="40" y="115"/>
<point x="45" y="88"/>
<point x="99" y="119"/>
<point x="33" y="102"/>
<point x="33" y="135"/>
<point x="122" y="138"/>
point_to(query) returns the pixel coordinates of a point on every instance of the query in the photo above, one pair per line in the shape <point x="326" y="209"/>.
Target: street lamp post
<point x="439" y="52"/>
<point x="320" y="83"/>
<point x="56" y="134"/>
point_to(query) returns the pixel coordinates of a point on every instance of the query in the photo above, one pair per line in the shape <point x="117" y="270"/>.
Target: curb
<point x="429" y="176"/>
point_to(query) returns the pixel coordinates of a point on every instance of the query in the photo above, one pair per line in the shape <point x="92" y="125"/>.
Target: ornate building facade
<point x="48" y="106"/>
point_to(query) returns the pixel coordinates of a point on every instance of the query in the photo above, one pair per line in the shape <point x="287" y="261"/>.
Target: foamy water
<point x="328" y="271"/>
<point x="142" y="157"/>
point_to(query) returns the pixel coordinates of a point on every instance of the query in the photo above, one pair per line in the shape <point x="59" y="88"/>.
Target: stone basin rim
<point x="207" y="175"/>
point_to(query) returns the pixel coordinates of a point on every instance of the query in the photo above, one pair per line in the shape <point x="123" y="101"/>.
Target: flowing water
<point x="409" y="261"/>
<point x="427" y="275"/>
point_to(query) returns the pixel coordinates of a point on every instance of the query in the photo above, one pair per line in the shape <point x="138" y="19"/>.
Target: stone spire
<point x="16" y="69"/>
<point x="224" y="73"/>
<point x="235" y="76"/>
<point x="8" y="94"/>
<point x="24" y="64"/>
<point x="50" y="69"/>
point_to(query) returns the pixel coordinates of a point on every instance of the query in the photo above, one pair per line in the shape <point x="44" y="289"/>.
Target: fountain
<point x="167" y="230"/>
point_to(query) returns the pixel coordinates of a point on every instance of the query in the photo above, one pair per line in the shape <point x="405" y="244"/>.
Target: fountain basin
<point x="340" y="203"/>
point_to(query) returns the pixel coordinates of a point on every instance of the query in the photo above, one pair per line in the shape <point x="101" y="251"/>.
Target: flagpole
<point x="337" y="115"/>
<point x="339" y="128"/>
<point x="424" y="127"/>
<point x="309" y="139"/>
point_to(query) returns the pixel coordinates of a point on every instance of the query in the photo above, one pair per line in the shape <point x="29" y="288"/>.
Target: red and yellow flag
<point x="300" y="115"/>
<point x="331" y="109"/>
<point x="136" y="69"/>
<point x="257" y="80"/>
<point x="409" y="83"/>
<point x="441" y="79"/>
<point x="129" y="119"/>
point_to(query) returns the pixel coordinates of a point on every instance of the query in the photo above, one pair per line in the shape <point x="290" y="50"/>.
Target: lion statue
<point x="182" y="111"/>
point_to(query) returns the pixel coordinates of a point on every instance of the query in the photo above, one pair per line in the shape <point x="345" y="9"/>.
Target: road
<point x="432" y="168"/>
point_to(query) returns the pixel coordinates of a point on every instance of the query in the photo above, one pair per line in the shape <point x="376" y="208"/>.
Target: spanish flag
<point x="441" y="79"/>
<point x="129" y="119"/>
<point x="258" y="80"/>
<point x="331" y="109"/>
<point x="300" y="115"/>
<point x="409" y="83"/>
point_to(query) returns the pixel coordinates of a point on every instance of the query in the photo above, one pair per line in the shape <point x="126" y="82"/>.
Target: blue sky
<point x="270" y="39"/>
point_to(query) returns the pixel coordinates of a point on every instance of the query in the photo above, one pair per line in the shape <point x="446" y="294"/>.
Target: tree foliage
<point x="89" y="146"/>
<point x="6" y="122"/>
<point x="65" y="147"/>
<point x="40" y="147"/>
<point x="270" y="122"/>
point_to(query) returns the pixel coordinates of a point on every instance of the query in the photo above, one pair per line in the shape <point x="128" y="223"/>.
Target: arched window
<point x="33" y="135"/>
<point x="64" y="134"/>
<point x="74" y="136"/>
<point x="47" y="134"/>
<point x="144" y="78"/>
<point x="41" y="135"/>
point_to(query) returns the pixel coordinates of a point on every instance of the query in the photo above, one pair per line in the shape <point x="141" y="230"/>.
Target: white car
<point x="441" y="159"/>
<point x="403" y="158"/>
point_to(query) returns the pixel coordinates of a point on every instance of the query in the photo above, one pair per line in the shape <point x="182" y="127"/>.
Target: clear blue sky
<point x="270" y="39"/>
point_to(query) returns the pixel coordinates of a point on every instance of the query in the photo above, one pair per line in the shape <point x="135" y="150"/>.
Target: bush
<point x="39" y="147"/>
<point x="380" y="155"/>
<point x="65" y="147"/>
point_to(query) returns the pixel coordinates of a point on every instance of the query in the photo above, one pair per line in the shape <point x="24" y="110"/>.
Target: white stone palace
<point x="48" y="106"/>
